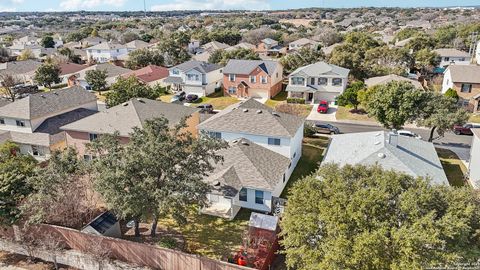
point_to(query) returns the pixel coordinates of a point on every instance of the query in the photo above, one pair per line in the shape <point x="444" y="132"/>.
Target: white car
<point x="407" y="133"/>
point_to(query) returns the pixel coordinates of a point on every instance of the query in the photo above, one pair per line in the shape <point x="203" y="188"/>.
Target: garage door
<point x="258" y="93"/>
<point x="194" y="90"/>
<point x="330" y="97"/>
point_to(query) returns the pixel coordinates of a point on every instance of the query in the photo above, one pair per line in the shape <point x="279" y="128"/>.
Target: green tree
<point x="94" y="33"/>
<point x="359" y="217"/>
<point x="425" y="60"/>
<point x="303" y="57"/>
<point x="350" y="96"/>
<point x="222" y="56"/>
<point x="70" y="54"/>
<point x="451" y="93"/>
<point x="47" y="74"/>
<point x="141" y="58"/>
<point x="385" y="60"/>
<point x="48" y="42"/>
<point x="158" y="172"/>
<point x="125" y="89"/>
<point x="97" y="79"/>
<point x="25" y="55"/>
<point x="174" y="48"/>
<point x="14" y="187"/>
<point x="395" y="104"/>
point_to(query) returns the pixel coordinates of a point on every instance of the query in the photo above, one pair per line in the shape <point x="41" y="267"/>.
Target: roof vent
<point x="245" y="143"/>
<point x="259" y="111"/>
<point x="245" y="110"/>
<point x="43" y="96"/>
<point x="125" y="104"/>
<point x="216" y="183"/>
<point x="381" y="155"/>
<point x="275" y="113"/>
<point x="55" y="93"/>
<point x="234" y="141"/>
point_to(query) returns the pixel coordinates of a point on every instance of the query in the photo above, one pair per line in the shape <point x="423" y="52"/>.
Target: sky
<point x="163" y="5"/>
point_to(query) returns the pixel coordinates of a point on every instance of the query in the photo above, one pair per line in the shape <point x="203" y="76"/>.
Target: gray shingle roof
<point x="451" y="53"/>
<point x="201" y="66"/>
<point x="245" y="67"/>
<point x="47" y="103"/>
<point x="137" y="44"/>
<point x="253" y="117"/>
<point x="112" y="70"/>
<point x="19" y="67"/>
<point x="389" y="78"/>
<point x="124" y="117"/>
<point x="52" y="125"/>
<point x="320" y="68"/>
<point x="107" y="46"/>
<point x="411" y="156"/>
<point x="250" y="165"/>
<point x="465" y="73"/>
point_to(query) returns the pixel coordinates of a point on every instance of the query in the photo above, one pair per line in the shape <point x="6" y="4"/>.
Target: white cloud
<point x="213" y="5"/>
<point x="7" y="9"/>
<point x="89" y="4"/>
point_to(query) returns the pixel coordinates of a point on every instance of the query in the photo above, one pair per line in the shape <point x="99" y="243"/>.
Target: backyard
<point x="218" y="100"/>
<point x="453" y="166"/>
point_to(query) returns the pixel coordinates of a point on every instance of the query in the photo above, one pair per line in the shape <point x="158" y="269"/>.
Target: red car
<point x="465" y="129"/>
<point x="323" y="107"/>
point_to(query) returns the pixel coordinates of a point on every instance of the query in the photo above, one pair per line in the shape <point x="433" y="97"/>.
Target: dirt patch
<point x="164" y="237"/>
<point x="24" y="262"/>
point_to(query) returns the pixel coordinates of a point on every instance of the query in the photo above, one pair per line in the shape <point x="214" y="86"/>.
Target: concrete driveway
<point x="328" y="117"/>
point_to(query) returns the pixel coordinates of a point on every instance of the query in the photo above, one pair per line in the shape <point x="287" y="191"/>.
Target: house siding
<point x="465" y="99"/>
<point x="257" y="88"/>
<point x="474" y="169"/>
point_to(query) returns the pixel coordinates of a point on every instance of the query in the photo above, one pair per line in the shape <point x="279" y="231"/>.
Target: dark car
<point x="190" y="98"/>
<point x="205" y="108"/>
<point x="465" y="129"/>
<point x="178" y="96"/>
<point x="326" y="128"/>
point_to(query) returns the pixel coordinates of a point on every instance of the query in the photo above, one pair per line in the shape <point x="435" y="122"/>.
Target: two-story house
<point x="465" y="79"/>
<point x="105" y="52"/>
<point x="452" y="57"/>
<point x="91" y="41"/>
<point x="34" y="122"/>
<point x="113" y="72"/>
<point x="317" y="82"/>
<point x="22" y="71"/>
<point x="269" y="47"/>
<point x="123" y="118"/>
<point x="252" y="78"/>
<point x="195" y="77"/>
<point x="261" y="126"/>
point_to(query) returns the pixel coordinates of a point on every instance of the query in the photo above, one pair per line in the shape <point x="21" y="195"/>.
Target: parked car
<point x="178" y="97"/>
<point x="408" y="133"/>
<point x="205" y="108"/>
<point x="465" y="129"/>
<point x="191" y="98"/>
<point x="323" y="107"/>
<point x="326" y="128"/>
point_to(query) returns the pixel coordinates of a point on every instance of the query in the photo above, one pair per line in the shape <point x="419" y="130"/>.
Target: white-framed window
<point x="297" y="81"/>
<point x="322" y="81"/>
<point x="214" y="134"/>
<point x="312" y="81"/>
<point x="258" y="197"/>
<point x="36" y="151"/>
<point x="447" y="58"/>
<point x="253" y="79"/>
<point x="264" y="79"/>
<point x="231" y="77"/>
<point x="336" y="81"/>
<point x="232" y="90"/>
<point x="98" y="51"/>
<point x="243" y="195"/>
<point x="175" y="72"/>
<point x="92" y="136"/>
<point x="20" y="123"/>
<point x="466" y="88"/>
<point x="273" y="141"/>
<point x="284" y="178"/>
<point x="2" y="121"/>
<point x="193" y="77"/>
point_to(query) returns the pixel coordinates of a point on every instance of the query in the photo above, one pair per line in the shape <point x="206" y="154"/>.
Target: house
<point x="150" y="75"/>
<point x="465" y="79"/>
<point x="193" y="45"/>
<point x="91" y="41"/>
<point x="242" y="45"/>
<point x="18" y="49"/>
<point x="248" y="177"/>
<point x="113" y="72"/>
<point x="473" y="168"/>
<point x="67" y="70"/>
<point x="254" y="121"/>
<point x="136" y="45"/>
<point x="106" y="51"/>
<point x="26" y="40"/>
<point x="124" y="118"/>
<point x="453" y="57"/>
<point x="402" y="43"/>
<point x="317" y="82"/>
<point x="205" y="51"/>
<point x="408" y="155"/>
<point x="269" y="47"/>
<point x="23" y="71"/>
<point x="380" y="80"/>
<point x="195" y="77"/>
<point x="252" y="78"/>
<point x="106" y="224"/>
<point x="34" y="121"/>
<point x="303" y="43"/>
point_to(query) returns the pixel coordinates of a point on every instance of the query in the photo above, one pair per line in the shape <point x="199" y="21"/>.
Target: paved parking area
<point x="328" y="117"/>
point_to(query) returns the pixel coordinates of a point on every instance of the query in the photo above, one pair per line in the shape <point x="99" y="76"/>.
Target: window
<point x="2" y="121"/>
<point x="273" y="141"/>
<point x="264" y="79"/>
<point x="466" y="88"/>
<point x="20" y="123"/>
<point x="243" y="195"/>
<point x="298" y="81"/>
<point x="258" y="197"/>
<point x="193" y="77"/>
<point x="118" y="50"/>
<point x="336" y="81"/>
<point x="312" y="81"/>
<point x="231" y="77"/>
<point x="447" y="58"/>
<point x="216" y="135"/>
<point x="461" y="59"/>
<point x="98" y="51"/>
<point x="283" y="178"/>
<point x="322" y="81"/>
<point x="87" y="157"/>
<point x="175" y="72"/>
<point x="92" y="136"/>
<point x="35" y="151"/>
<point x="232" y="90"/>
<point x="294" y="154"/>
<point x="253" y="79"/>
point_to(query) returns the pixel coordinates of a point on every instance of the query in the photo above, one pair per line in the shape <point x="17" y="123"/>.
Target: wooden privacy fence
<point x="131" y="252"/>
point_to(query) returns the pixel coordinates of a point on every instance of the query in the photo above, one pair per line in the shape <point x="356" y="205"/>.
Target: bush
<point x="167" y="242"/>
<point x="452" y="93"/>
<point x="309" y="131"/>
<point x="296" y="100"/>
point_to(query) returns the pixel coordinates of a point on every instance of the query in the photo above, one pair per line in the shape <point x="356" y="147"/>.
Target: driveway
<point x="329" y="116"/>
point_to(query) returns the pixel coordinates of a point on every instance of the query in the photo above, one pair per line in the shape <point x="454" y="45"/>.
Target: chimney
<point x="393" y="138"/>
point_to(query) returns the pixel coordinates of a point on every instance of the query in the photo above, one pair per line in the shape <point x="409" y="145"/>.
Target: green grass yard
<point x="279" y="98"/>
<point x="218" y="100"/>
<point x="453" y="166"/>
<point x="343" y="113"/>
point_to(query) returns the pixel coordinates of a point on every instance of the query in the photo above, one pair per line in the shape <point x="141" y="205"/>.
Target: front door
<point x="310" y="96"/>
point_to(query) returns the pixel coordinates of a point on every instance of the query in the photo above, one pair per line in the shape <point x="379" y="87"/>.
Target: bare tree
<point x="54" y="246"/>
<point x="8" y="82"/>
<point x="99" y="251"/>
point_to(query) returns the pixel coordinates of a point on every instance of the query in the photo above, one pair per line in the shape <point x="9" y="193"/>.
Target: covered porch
<point x="176" y="83"/>
<point x="311" y="95"/>
<point x="220" y="206"/>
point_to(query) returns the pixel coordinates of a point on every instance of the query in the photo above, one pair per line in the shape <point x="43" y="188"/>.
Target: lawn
<point x="166" y="98"/>
<point x="279" y="98"/>
<point x="312" y="155"/>
<point x="474" y="118"/>
<point x="453" y="166"/>
<point x="343" y="113"/>
<point x="297" y="109"/>
<point x="218" y="100"/>
<point x="102" y="96"/>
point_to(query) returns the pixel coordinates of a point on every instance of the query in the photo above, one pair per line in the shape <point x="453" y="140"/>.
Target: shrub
<point x="309" y="131"/>
<point x="452" y="93"/>
<point x="167" y="242"/>
<point x="296" y="100"/>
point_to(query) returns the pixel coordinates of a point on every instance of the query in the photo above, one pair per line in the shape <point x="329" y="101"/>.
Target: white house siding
<point x="266" y="206"/>
<point x="456" y="60"/>
<point x="447" y="81"/>
<point x="327" y="96"/>
<point x="474" y="168"/>
<point x="102" y="56"/>
<point x="283" y="148"/>
<point x="11" y="125"/>
<point x="26" y="149"/>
